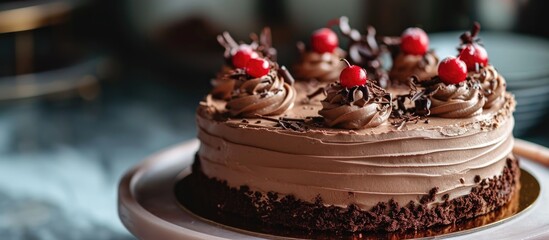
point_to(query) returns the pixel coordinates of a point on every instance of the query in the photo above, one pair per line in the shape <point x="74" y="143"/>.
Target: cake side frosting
<point x="372" y="165"/>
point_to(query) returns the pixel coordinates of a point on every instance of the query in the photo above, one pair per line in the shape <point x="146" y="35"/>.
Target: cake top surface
<point x="303" y="118"/>
<point x="253" y="92"/>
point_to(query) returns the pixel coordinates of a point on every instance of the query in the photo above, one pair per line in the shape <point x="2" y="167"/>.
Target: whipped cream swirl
<point x="456" y="100"/>
<point x="267" y="95"/>
<point x="356" y="108"/>
<point x="492" y="83"/>
<point x="424" y="67"/>
<point x="324" y="67"/>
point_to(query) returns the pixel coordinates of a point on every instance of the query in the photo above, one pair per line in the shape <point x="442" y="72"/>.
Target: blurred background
<point x="88" y="88"/>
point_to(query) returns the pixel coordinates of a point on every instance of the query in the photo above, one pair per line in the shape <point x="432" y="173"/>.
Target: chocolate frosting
<point x="360" y="166"/>
<point x="355" y="108"/>
<point x="456" y="100"/>
<point x="223" y="85"/>
<point x="424" y="67"/>
<point x="324" y="67"/>
<point x="492" y="84"/>
<point x="267" y="95"/>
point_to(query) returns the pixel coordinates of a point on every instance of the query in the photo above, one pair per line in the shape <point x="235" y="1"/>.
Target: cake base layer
<point x="289" y="212"/>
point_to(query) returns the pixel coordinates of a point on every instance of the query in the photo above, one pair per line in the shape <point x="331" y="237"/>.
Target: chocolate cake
<point x="353" y="155"/>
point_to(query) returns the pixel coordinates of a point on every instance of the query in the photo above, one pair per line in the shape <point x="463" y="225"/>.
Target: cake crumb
<point x="477" y="179"/>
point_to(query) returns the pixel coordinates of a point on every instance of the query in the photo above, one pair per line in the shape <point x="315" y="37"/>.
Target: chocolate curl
<point x="471" y="36"/>
<point x="261" y="44"/>
<point x="228" y="43"/>
<point x="392" y="44"/>
<point x="365" y="51"/>
<point x="284" y="73"/>
<point x="266" y="44"/>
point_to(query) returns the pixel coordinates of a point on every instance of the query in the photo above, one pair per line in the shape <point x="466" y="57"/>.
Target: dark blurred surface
<point x="61" y="155"/>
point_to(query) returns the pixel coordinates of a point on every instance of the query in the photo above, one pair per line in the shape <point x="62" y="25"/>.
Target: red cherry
<point x="473" y="54"/>
<point x="257" y="67"/>
<point x="242" y="56"/>
<point x="414" y="41"/>
<point x="452" y="70"/>
<point x="324" y="40"/>
<point x="352" y="76"/>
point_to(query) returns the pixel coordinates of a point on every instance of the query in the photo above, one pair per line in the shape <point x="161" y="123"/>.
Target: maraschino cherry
<point x="324" y="40"/>
<point x="473" y="54"/>
<point x="242" y="56"/>
<point x="452" y="70"/>
<point x="414" y="41"/>
<point x="352" y="76"/>
<point x="257" y="67"/>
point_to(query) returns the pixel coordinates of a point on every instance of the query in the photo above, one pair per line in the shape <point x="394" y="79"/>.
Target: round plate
<point x="149" y="209"/>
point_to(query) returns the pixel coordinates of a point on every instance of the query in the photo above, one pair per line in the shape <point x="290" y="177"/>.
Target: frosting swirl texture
<point x="324" y="67"/>
<point x="355" y="108"/>
<point x="224" y="84"/>
<point x="267" y="95"/>
<point x="492" y="84"/>
<point x="424" y="67"/>
<point x="456" y="100"/>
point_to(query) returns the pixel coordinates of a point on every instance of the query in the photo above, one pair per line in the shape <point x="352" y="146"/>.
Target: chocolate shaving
<point x="261" y="44"/>
<point x="364" y="51"/>
<point x="471" y="36"/>
<point x="265" y="46"/>
<point x="285" y="74"/>
<point x="420" y="91"/>
<point x="370" y="92"/>
<point x="228" y="43"/>
<point x="294" y="124"/>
